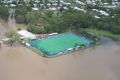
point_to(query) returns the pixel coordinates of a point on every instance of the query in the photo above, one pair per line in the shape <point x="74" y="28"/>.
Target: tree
<point x="36" y="28"/>
<point x="14" y="38"/>
<point x="21" y="11"/>
<point x="4" y="12"/>
<point x="20" y="19"/>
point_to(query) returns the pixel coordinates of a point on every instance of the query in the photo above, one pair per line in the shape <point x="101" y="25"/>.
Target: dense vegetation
<point x="103" y="33"/>
<point x="21" y="13"/>
<point x="13" y="38"/>
<point x="47" y="21"/>
<point x="4" y="12"/>
<point x="60" y="21"/>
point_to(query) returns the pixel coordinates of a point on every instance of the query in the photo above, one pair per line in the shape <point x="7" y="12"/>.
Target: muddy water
<point x="3" y="28"/>
<point x="10" y="25"/>
<point x="96" y="63"/>
<point x="11" y="20"/>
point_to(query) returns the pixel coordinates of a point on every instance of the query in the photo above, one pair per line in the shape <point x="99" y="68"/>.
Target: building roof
<point x="34" y="8"/>
<point x="27" y="34"/>
<point x="52" y="34"/>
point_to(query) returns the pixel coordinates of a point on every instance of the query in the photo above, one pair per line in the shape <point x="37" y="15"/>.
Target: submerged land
<point x="96" y="63"/>
<point x="92" y="19"/>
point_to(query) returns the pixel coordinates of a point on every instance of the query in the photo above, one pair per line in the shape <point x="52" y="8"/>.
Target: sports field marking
<point x="59" y="43"/>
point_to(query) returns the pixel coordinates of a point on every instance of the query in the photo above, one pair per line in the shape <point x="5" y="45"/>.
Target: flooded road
<point x="11" y="19"/>
<point x="6" y="26"/>
<point x="96" y="63"/>
<point x="10" y="24"/>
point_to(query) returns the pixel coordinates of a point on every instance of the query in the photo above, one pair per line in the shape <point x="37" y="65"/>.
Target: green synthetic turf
<point x="59" y="43"/>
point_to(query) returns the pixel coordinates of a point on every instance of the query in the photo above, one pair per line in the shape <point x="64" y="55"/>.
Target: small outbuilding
<point x="26" y="34"/>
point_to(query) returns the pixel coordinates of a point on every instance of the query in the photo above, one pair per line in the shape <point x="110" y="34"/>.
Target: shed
<point x="27" y="34"/>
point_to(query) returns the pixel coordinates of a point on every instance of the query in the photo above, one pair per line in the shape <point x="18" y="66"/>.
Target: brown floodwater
<point x="10" y="25"/>
<point x="96" y="63"/>
<point x="2" y="28"/>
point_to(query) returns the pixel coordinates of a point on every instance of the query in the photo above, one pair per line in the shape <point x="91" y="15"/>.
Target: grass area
<point x="59" y="43"/>
<point x="104" y="33"/>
